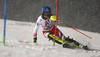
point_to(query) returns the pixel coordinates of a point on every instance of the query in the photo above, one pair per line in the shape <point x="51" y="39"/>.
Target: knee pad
<point x="47" y="34"/>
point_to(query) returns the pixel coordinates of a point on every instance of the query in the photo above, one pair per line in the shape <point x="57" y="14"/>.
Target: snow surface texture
<point x="16" y="31"/>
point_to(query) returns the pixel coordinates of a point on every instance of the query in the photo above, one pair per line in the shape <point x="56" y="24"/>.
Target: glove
<point x="53" y="18"/>
<point x="35" y="40"/>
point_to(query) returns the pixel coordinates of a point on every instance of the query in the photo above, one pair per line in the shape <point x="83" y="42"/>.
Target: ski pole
<point x="75" y="29"/>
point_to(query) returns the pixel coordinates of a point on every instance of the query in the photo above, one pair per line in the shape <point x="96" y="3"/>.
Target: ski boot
<point x="83" y="47"/>
<point x="65" y="45"/>
<point x="68" y="45"/>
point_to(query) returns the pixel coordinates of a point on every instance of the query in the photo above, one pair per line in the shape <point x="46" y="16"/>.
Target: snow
<point x="17" y="31"/>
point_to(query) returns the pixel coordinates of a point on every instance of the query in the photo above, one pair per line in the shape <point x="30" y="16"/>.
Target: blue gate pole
<point x="5" y="11"/>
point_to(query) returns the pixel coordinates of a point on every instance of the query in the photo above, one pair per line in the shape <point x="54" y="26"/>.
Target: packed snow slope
<point x="81" y="14"/>
<point x="17" y="31"/>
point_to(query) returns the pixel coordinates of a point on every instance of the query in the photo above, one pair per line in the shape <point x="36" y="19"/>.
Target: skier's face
<point x="46" y="15"/>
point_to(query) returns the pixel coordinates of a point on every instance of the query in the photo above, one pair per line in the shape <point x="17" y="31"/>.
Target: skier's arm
<point x="53" y="18"/>
<point x="35" y="33"/>
<point x="35" y="30"/>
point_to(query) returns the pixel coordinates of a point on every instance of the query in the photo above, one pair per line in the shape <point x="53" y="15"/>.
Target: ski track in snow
<point x="23" y="31"/>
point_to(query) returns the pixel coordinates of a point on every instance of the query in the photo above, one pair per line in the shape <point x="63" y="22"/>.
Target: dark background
<point x="80" y="14"/>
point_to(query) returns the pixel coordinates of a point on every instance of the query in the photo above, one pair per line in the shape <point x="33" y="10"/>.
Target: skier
<point x="47" y="22"/>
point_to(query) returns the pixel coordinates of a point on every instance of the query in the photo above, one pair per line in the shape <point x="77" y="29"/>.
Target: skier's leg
<point x="59" y="35"/>
<point x="66" y="43"/>
<point x="51" y="37"/>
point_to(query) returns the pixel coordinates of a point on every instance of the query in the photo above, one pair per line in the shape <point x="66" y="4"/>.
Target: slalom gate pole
<point x="75" y="29"/>
<point x="4" y="22"/>
<point x="56" y="22"/>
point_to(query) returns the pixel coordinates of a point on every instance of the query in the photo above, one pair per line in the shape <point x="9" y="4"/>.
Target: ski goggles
<point x="47" y="14"/>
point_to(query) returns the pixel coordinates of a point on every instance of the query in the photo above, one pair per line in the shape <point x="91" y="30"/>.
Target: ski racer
<point x="47" y="22"/>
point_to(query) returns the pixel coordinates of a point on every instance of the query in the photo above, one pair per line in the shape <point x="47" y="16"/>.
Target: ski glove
<point x="35" y="40"/>
<point x="53" y="18"/>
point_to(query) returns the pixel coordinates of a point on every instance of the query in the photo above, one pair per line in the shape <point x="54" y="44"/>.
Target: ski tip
<point x="90" y="37"/>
